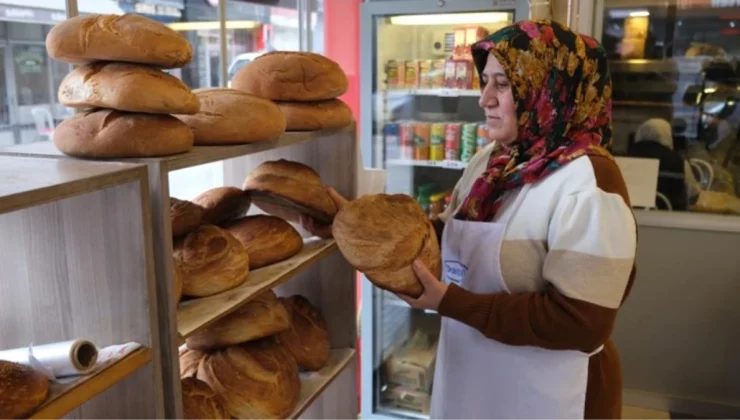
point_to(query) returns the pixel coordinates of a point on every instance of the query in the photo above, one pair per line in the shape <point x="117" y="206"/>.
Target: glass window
<point x="675" y="74"/>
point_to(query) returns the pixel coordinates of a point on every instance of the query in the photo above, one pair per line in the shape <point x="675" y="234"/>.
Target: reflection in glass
<point x="675" y="64"/>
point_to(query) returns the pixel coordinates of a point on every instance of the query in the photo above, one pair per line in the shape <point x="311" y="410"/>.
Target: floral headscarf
<point x="562" y="88"/>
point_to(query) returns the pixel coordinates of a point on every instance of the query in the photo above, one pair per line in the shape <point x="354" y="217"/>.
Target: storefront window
<point x="675" y="74"/>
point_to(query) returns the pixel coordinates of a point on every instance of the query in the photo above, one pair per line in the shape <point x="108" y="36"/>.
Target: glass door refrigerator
<point x="420" y="121"/>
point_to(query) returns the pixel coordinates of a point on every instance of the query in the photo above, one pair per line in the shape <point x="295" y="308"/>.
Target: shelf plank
<point x="313" y="384"/>
<point x="26" y="182"/>
<point x="195" y="314"/>
<point x="199" y="155"/>
<point x="64" y="398"/>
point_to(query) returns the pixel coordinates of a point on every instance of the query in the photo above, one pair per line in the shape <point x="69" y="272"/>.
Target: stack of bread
<point x="217" y="244"/>
<point x="251" y="358"/>
<point x="126" y="100"/>
<point x="304" y="85"/>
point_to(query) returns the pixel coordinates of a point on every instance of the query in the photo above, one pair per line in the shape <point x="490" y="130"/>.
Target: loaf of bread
<point x="381" y="235"/>
<point x="307" y="339"/>
<point x="261" y="317"/>
<point x="268" y="239"/>
<point x="129" y="37"/>
<point x="110" y="134"/>
<point x="212" y="261"/>
<point x="22" y="390"/>
<point x="185" y="216"/>
<point x="286" y="189"/>
<point x="292" y="76"/>
<point x="230" y="116"/>
<point x="257" y="380"/>
<point x="222" y="204"/>
<point x="189" y="361"/>
<point x="200" y="401"/>
<point x="178" y="281"/>
<point x="312" y="116"/>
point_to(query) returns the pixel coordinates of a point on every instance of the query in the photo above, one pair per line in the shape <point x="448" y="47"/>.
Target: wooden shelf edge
<point x="196" y="314"/>
<point x="77" y="393"/>
<point x="314" y="384"/>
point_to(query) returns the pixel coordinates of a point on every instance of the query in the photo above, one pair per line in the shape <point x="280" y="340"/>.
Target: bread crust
<point x="128" y="38"/>
<point x="222" y="204"/>
<point x="200" y="401"/>
<point x="292" y="76"/>
<point x="22" y="390"/>
<point x="230" y="116"/>
<point x="307" y="338"/>
<point x="268" y="239"/>
<point x="127" y="87"/>
<point x="313" y="116"/>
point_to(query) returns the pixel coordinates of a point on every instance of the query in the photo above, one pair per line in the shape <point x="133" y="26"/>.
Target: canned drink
<point x="406" y="139"/>
<point x="469" y="140"/>
<point x="422" y="140"/>
<point x="391" y="134"/>
<point x="437" y="148"/>
<point x="483" y="139"/>
<point x="452" y="141"/>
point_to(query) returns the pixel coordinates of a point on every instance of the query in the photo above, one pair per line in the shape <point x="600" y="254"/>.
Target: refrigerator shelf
<point x="441" y="92"/>
<point x="446" y="164"/>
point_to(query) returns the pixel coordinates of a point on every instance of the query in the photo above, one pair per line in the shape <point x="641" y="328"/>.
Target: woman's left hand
<point x="434" y="289"/>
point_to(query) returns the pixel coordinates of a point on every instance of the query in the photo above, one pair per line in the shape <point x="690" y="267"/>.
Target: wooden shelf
<point x="314" y="383"/>
<point x="26" y="182"/>
<point x="64" y="398"/>
<point x="195" y="314"/>
<point x="199" y="155"/>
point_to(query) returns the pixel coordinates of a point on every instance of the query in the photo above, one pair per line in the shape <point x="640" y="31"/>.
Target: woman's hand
<point x="434" y="290"/>
<point x="319" y="229"/>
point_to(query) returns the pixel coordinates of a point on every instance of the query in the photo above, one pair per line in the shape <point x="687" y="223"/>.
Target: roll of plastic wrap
<point x="57" y="360"/>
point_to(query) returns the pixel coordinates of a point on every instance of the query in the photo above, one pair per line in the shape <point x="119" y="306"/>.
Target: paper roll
<point x="68" y="358"/>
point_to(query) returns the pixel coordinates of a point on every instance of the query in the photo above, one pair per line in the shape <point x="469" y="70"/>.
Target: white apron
<point x="480" y="378"/>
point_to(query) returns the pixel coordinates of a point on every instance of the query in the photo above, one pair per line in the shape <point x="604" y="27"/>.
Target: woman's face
<point x="497" y="101"/>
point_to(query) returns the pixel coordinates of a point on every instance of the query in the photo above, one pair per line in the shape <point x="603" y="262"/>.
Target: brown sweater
<point x="551" y="319"/>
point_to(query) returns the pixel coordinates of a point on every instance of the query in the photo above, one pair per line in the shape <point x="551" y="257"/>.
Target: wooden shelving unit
<point x="78" y="263"/>
<point x="317" y="272"/>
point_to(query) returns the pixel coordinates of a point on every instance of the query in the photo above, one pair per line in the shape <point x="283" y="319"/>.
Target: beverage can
<point x="452" y="141"/>
<point x="437" y="143"/>
<point x="422" y="140"/>
<point x="483" y="139"/>
<point x="406" y="139"/>
<point x="469" y="140"/>
<point x="392" y="138"/>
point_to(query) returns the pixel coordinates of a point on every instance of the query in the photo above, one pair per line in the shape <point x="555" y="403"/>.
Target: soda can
<point x="483" y="138"/>
<point x="437" y="148"/>
<point x="406" y="139"/>
<point x="422" y="140"/>
<point x="452" y="141"/>
<point x="469" y="140"/>
<point x="392" y="138"/>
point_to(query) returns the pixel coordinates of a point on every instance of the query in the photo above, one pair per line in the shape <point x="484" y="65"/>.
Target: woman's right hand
<point x="319" y="229"/>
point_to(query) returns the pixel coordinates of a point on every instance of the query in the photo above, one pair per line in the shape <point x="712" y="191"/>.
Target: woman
<point x="541" y="224"/>
<point x="654" y="140"/>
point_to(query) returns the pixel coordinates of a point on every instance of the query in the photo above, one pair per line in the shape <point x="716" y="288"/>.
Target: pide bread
<point x="268" y="239"/>
<point x="292" y="76"/>
<point x="109" y="134"/>
<point x="261" y="317"/>
<point x="230" y="116"/>
<point x="312" y="116"/>
<point x="127" y="87"/>
<point x="381" y="235"/>
<point x="286" y="189"/>
<point x="307" y="338"/>
<point x="222" y="204"/>
<point x="257" y="380"/>
<point x="211" y="260"/>
<point x="129" y="38"/>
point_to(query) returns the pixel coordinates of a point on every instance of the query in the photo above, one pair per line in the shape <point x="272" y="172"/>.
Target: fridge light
<point x="640" y="13"/>
<point x="213" y="25"/>
<point x="451" y="18"/>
